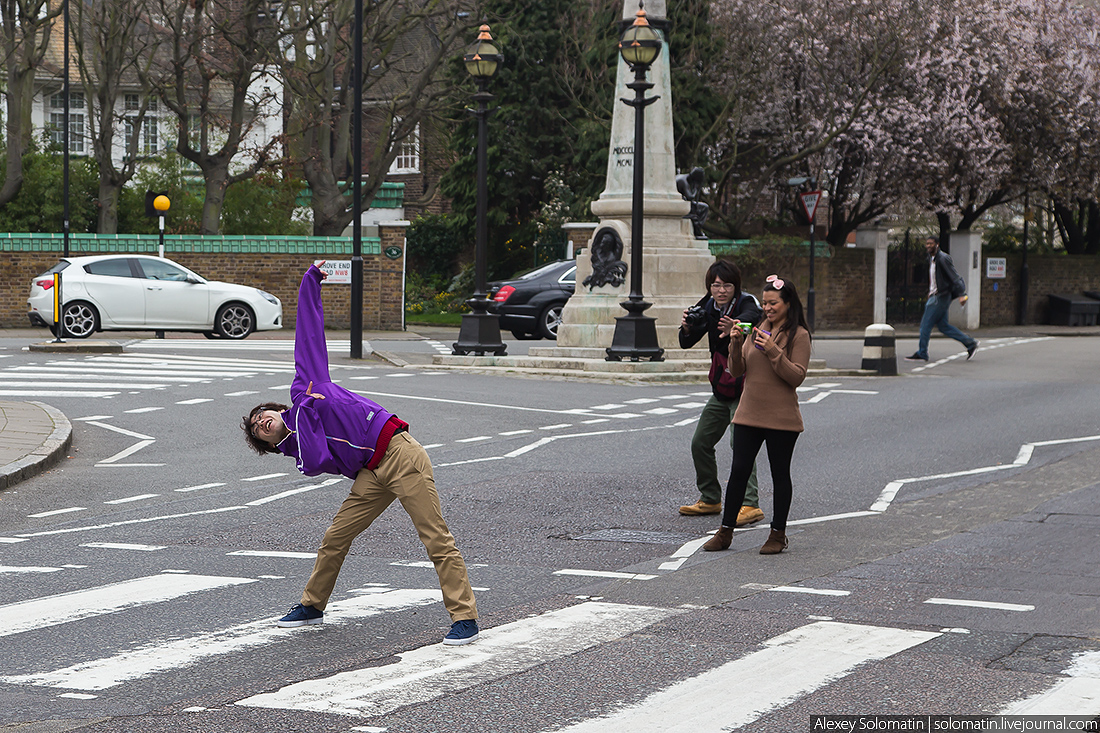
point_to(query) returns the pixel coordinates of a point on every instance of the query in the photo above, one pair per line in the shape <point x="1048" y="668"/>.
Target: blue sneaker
<point x="300" y="615"/>
<point x="462" y="632"/>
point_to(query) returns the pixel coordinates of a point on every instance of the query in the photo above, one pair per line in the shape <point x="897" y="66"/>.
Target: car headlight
<point x="269" y="298"/>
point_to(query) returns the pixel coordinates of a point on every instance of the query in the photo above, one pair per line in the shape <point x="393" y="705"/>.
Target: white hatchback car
<point x="140" y="292"/>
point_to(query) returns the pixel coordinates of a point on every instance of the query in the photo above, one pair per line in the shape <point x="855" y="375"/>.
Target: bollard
<point x="879" y="353"/>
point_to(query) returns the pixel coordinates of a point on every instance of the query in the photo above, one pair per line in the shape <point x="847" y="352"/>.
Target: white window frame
<point x="408" y="155"/>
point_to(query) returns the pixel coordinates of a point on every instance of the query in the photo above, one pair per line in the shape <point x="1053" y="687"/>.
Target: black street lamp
<point x="635" y="335"/>
<point x="356" y="315"/>
<point x="480" y="330"/>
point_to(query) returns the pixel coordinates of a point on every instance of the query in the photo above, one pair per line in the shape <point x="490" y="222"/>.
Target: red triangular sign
<point x="809" y="203"/>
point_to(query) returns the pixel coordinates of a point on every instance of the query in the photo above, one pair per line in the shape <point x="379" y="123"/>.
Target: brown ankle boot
<point x="720" y="541"/>
<point x="777" y="542"/>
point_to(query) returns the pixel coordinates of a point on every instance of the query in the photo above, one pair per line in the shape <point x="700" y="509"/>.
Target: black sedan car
<point x="530" y="305"/>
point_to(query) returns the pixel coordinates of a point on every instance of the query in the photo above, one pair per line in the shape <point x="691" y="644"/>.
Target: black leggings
<point x="746" y="444"/>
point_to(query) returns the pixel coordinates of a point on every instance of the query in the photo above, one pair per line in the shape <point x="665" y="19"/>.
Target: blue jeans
<point x="935" y="314"/>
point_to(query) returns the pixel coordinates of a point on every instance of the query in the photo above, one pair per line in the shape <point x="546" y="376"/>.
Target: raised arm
<point x="310" y="352"/>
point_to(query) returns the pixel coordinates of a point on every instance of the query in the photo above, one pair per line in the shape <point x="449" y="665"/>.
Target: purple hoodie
<point x="340" y="433"/>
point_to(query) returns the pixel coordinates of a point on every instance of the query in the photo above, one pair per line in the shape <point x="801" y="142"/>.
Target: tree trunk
<point x="108" y="204"/>
<point x="18" y="127"/>
<point x="217" y="181"/>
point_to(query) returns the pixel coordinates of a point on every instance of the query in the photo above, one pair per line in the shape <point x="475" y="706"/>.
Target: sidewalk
<point x="33" y="437"/>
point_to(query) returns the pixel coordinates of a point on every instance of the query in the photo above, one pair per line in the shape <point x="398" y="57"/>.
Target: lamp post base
<point x="479" y="333"/>
<point x="635" y="335"/>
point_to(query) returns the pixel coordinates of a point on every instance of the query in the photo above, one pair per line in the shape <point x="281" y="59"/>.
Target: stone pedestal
<point x="674" y="262"/>
<point x="877" y="238"/>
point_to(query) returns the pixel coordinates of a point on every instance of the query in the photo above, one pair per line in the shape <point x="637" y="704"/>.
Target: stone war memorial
<point x="674" y="261"/>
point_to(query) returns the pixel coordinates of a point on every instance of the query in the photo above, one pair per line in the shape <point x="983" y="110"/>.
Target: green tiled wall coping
<point x="173" y="243"/>
<point x="719" y="247"/>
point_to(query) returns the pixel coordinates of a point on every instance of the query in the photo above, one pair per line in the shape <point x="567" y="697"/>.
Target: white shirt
<point x="932" y="277"/>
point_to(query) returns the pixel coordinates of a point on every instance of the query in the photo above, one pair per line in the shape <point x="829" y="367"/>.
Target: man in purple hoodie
<point x="328" y="429"/>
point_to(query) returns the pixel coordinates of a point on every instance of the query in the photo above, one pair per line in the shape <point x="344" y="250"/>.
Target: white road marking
<point x="274" y="553"/>
<point x="109" y="525"/>
<point x="26" y="569"/>
<point x="433" y="671"/>
<point x="264" y="477"/>
<point x="64" y="608"/>
<point x="812" y="591"/>
<point x="123" y="546"/>
<point x="241" y="393"/>
<point x="292" y="492"/>
<point x="515" y="432"/>
<point x="1023" y="457"/>
<point x="1077" y="695"/>
<point x="144" y="409"/>
<point x="432" y="445"/>
<point x="559" y="426"/>
<point x="605" y="574"/>
<point x="122" y="431"/>
<point x="54" y="512"/>
<point x="475" y="439"/>
<point x="10" y="540"/>
<point x="798" y="662"/>
<point x="69" y="384"/>
<point x="127" y="452"/>
<point x="145" y="661"/>
<point x="195" y="401"/>
<point x="128" y="499"/>
<point x="199" y="487"/>
<point x="53" y="393"/>
<point x="981" y="604"/>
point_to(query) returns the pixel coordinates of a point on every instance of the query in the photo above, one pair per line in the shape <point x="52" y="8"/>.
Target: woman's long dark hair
<point x="796" y="316"/>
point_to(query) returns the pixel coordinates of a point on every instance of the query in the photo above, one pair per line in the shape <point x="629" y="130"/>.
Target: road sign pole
<point x="809" y="205"/>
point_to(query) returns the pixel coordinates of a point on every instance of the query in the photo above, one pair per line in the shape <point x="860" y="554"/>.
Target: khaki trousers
<point x="405" y="474"/>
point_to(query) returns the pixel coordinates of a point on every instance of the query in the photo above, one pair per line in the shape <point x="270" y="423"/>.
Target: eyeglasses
<point x="722" y="286"/>
<point x="775" y="281"/>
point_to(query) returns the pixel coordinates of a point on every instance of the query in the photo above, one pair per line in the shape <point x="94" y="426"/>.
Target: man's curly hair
<point x="256" y="444"/>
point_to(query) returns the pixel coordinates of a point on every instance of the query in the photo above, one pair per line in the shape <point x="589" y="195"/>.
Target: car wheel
<point x="550" y="319"/>
<point x="81" y="319"/>
<point x="234" y="321"/>
<point x="524" y="336"/>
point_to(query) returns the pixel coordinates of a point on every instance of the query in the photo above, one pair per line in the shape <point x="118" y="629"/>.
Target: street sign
<point x="338" y="271"/>
<point x="809" y="203"/>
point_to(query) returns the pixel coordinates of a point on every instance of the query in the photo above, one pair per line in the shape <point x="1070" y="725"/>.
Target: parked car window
<point x="538" y="271"/>
<point x="111" y="268"/>
<point x="56" y="268"/>
<point x="569" y="277"/>
<point x="157" y="270"/>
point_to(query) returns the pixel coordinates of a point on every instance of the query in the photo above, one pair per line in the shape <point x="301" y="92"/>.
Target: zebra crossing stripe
<point x="1077" y="695"/>
<point x="39" y="613"/>
<point x="433" y="671"/>
<point x="797" y="663"/>
<point x="151" y="659"/>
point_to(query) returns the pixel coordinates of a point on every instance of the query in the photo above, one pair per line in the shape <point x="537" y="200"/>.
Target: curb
<point x="44" y="456"/>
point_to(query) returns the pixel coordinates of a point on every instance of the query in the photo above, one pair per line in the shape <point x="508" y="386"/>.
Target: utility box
<point x="1068" y="309"/>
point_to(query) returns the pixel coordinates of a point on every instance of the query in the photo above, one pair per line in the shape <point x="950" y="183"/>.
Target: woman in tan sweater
<point x="773" y="358"/>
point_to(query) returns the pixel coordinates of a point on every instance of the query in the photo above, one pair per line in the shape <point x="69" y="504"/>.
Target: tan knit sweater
<point x="769" y="399"/>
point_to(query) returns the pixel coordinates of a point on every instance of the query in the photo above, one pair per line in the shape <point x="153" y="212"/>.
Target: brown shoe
<point x="777" y="542"/>
<point x="699" y="508"/>
<point x="749" y="515"/>
<point x="720" y="541"/>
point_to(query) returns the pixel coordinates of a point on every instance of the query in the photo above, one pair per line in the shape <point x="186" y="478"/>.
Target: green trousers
<point x="713" y="424"/>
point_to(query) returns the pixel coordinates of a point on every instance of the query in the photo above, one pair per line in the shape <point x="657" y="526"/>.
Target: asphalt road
<point x="944" y="555"/>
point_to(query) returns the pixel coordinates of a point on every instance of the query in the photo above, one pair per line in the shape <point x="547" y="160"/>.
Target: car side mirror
<point x="193" y="280"/>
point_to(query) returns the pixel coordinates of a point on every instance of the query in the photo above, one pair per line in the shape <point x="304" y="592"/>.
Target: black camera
<point x="696" y="317"/>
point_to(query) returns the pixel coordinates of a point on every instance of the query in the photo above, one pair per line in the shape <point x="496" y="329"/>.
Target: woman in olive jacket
<point x="774" y="359"/>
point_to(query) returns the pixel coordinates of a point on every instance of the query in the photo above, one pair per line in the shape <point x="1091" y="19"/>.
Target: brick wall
<point x="1047" y="274"/>
<point x="277" y="273"/>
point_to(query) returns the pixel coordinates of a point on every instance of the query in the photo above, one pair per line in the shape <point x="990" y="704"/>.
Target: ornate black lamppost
<point x="635" y="334"/>
<point x="480" y="330"/>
